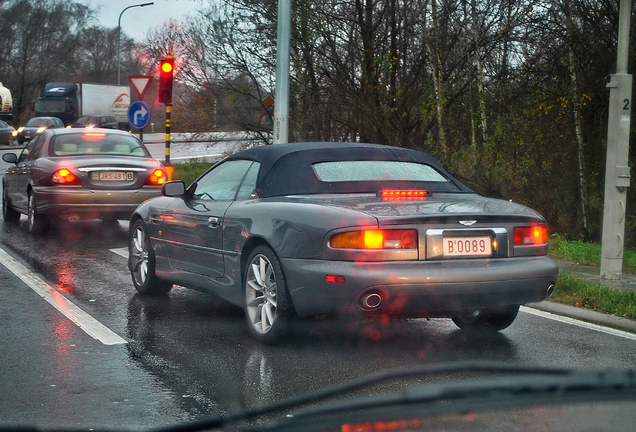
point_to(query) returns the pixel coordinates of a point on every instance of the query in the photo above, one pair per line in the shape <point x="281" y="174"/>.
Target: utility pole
<point x="617" y="174"/>
<point x="281" y="104"/>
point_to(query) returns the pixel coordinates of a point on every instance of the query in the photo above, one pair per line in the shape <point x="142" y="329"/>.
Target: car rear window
<point x="96" y="143"/>
<point x="348" y="171"/>
<point x="37" y="122"/>
<point x="85" y="120"/>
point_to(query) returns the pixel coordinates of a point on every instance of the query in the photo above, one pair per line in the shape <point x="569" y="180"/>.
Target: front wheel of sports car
<point x="267" y="304"/>
<point x="38" y="223"/>
<point x="487" y="319"/>
<point x="141" y="261"/>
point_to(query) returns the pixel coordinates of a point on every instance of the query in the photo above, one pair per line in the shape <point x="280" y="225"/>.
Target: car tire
<point x="37" y="223"/>
<point x="141" y="262"/>
<point x="8" y="213"/>
<point x="487" y="319"/>
<point x="268" y="307"/>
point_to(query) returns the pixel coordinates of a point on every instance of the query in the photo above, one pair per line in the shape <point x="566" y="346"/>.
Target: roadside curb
<point x="586" y="315"/>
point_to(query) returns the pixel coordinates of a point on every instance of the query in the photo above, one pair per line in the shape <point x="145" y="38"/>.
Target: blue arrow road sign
<point x="139" y="114"/>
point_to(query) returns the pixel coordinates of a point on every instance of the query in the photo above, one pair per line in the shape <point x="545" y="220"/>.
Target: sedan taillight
<point x="157" y="177"/>
<point x="64" y="176"/>
<point x="530" y="235"/>
<point x="375" y="239"/>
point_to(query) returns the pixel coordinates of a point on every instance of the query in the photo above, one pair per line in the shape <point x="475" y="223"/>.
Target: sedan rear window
<point x="37" y="122"/>
<point x="351" y="171"/>
<point x="97" y="143"/>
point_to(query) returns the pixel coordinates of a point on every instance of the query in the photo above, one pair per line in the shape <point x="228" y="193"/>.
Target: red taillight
<point x="530" y="235"/>
<point x="94" y="135"/>
<point x="375" y="239"/>
<point x="335" y="279"/>
<point x="403" y="195"/>
<point x="157" y="177"/>
<point x="64" y="176"/>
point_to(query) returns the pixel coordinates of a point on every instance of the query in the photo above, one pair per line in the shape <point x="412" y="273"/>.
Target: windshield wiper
<point x="525" y="385"/>
<point x="520" y="387"/>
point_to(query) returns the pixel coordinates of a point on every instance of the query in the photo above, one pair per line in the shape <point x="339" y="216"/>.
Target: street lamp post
<point x="119" y="36"/>
<point x="281" y="107"/>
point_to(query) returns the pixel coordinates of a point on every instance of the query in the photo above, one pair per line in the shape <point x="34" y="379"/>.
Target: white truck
<point x="70" y="101"/>
<point x="6" y="104"/>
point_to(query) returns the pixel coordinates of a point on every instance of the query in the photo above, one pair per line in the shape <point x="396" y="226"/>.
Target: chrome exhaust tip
<point x="370" y="300"/>
<point x="549" y="291"/>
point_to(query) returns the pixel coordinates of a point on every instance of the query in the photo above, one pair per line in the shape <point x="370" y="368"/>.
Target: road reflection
<point x="200" y="345"/>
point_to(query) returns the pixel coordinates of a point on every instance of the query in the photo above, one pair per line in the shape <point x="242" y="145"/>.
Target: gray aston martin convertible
<point x="306" y="229"/>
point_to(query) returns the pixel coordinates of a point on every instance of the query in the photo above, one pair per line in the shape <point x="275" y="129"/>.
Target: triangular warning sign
<point x="140" y="83"/>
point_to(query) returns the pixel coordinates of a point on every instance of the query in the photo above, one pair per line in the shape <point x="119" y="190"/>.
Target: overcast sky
<point x="137" y="21"/>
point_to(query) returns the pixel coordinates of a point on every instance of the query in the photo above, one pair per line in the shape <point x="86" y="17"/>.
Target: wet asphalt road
<point x="188" y="354"/>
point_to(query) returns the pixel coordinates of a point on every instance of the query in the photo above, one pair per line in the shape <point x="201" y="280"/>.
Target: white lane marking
<point x="121" y="251"/>
<point x="578" y="323"/>
<point x="83" y="320"/>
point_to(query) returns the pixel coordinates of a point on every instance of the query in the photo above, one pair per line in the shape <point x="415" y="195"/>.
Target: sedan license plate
<point x="467" y="246"/>
<point x="115" y="176"/>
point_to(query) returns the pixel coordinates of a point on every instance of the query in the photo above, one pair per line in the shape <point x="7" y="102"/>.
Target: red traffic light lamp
<point x="166" y="69"/>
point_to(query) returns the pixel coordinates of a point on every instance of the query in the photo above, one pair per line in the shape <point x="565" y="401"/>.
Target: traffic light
<point x="166" y="69"/>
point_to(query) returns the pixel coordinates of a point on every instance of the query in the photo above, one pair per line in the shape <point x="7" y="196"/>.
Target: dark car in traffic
<point x="102" y="121"/>
<point x="79" y="174"/>
<point x="6" y="132"/>
<point x="307" y="229"/>
<point x="35" y="126"/>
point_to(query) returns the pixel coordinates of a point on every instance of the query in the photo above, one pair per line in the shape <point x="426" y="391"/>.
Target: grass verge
<point x="576" y="291"/>
<point x="585" y="253"/>
<point x="189" y="172"/>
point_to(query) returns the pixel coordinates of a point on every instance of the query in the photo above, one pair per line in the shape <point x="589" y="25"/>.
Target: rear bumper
<point x="418" y="288"/>
<point x="91" y="204"/>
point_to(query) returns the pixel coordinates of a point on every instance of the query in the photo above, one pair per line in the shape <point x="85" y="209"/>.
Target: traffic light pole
<point x="167" y="161"/>
<point x="166" y="71"/>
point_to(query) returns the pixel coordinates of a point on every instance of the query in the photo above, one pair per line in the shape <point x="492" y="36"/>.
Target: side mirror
<point x="174" y="188"/>
<point x="10" y="157"/>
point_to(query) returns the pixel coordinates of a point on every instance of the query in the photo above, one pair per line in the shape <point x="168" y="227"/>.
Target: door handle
<point x="213" y="222"/>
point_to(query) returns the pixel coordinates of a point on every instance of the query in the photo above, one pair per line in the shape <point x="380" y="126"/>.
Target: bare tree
<point x="41" y="43"/>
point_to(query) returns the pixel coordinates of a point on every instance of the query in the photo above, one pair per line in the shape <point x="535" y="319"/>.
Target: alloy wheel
<point x="261" y="294"/>
<point x="139" y="256"/>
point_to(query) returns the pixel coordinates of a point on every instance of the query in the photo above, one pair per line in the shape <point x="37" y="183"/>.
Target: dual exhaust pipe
<point x="373" y="299"/>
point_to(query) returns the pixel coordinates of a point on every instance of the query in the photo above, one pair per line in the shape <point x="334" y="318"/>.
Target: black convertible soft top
<point x="286" y="169"/>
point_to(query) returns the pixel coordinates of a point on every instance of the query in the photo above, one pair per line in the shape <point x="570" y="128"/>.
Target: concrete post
<point x="617" y="173"/>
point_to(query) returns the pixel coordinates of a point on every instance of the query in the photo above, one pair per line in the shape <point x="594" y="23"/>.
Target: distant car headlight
<point x="20" y="129"/>
<point x="41" y="129"/>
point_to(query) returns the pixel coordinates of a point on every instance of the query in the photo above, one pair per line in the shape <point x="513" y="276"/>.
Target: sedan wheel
<point x="487" y="319"/>
<point x="141" y="261"/>
<point x="8" y="213"/>
<point x="267" y="304"/>
<point x="38" y="223"/>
